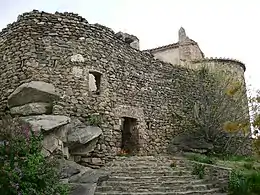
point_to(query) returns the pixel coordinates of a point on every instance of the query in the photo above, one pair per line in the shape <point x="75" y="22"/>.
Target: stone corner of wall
<point x="130" y="39"/>
<point x="220" y="59"/>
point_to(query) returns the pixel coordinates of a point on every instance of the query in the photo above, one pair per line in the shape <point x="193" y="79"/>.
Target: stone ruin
<point x="57" y="70"/>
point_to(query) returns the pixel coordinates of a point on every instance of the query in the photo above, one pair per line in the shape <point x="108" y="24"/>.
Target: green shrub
<point x="23" y="169"/>
<point x="248" y="165"/>
<point x="237" y="158"/>
<point x="199" y="169"/>
<point x="201" y="158"/>
<point x="244" y="182"/>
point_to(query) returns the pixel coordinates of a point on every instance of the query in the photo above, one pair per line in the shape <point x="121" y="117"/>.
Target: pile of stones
<point x="33" y="103"/>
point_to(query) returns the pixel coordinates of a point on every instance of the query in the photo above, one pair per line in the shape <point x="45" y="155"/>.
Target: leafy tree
<point x="220" y="114"/>
<point x="255" y="116"/>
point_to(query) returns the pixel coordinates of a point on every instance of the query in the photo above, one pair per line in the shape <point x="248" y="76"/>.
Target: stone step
<point x="138" y="168"/>
<point x="143" y="165"/>
<point x="155" y="188"/>
<point x="189" y="192"/>
<point x="153" y="175"/>
<point x="145" y="162"/>
<point x="150" y="173"/>
<point x="152" y="178"/>
<point x="150" y="160"/>
<point x="169" y="183"/>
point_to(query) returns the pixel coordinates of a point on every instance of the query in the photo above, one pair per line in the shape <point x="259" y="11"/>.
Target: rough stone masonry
<point x="98" y="72"/>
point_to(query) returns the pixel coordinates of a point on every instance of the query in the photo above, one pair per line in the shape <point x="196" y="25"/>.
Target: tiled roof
<point x="173" y="45"/>
<point x="170" y="46"/>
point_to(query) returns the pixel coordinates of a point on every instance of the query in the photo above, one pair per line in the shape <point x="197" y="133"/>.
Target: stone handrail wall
<point x="215" y="174"/>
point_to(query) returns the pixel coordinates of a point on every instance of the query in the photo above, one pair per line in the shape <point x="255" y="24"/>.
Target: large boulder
<point x="32" y="109"/>
<point x="71" y="171"/>
<point x="188" y="143"/>
<point x="87" y="183"/>
<point x="79" y="138"/>
<point x="78" y="133"/>
<point x="34" y="91"/>
<point x="93" y="176"/>
<point x="51" y="143"/>
<point x="46" y="122"/>
<point x="84" y="150"/>
<point x="62" y="132"/>
<point x="83" y="135"/>
<point x="83" y="189"/>
<point x="83" y="180"/>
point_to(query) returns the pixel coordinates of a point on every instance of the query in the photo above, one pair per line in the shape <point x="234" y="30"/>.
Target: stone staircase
<point x="149" y="175"/>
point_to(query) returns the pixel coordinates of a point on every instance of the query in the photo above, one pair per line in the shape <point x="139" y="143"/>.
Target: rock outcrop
<point x="46" y="122"/>
<point x="33" y="102"/>
<point x="83" y="180"/>
<point x="187" y="143"/>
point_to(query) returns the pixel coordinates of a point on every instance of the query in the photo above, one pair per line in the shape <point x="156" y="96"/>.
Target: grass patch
<point x="200" y="158"/>
<point x="199" y="169"/>
<point x="238" y="158"/>
<point x="248" y="165"/>
<point x="243" y="182"/>
<point x="245" y="175"/>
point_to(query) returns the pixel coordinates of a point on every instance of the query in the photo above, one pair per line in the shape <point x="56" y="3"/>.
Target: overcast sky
<point x="223" y="28"/>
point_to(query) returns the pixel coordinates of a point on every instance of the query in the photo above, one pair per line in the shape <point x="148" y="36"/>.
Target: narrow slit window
<point x="22" y="63"/>
<point x="54" y="63"/>
<point x="94" y="82"/>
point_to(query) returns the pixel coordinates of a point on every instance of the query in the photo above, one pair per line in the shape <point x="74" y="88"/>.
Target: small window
<point x="148" y="124"/>
<point x="54" y="64"/>
<point x="94" y="82"/>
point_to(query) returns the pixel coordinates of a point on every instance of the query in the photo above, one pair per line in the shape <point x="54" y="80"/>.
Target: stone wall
<point x="67" y="51"/>
<point x="63" y="49"/>
<point x="228" y="66"/>
<point x="233" y="71"/>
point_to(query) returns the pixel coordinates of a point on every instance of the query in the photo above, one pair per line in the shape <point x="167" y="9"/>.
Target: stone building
<point x="186" y="52"/>
<point x="99" y="72"/>
<point x="180" y="53"/>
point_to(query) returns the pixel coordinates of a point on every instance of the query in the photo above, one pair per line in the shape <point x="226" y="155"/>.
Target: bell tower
<point x="182" y="35"/>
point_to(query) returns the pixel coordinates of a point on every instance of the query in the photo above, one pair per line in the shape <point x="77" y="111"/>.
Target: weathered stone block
<point x="84" y="150"/>
<point x="46" y="122"/>
<point x="32" y="109"/>
<point x="35" y="91"/>
<point x="72" y="170"/>
<point x="83" y="135"/>
<point x="83" y="189"/>
<point x="51" y="143"/>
